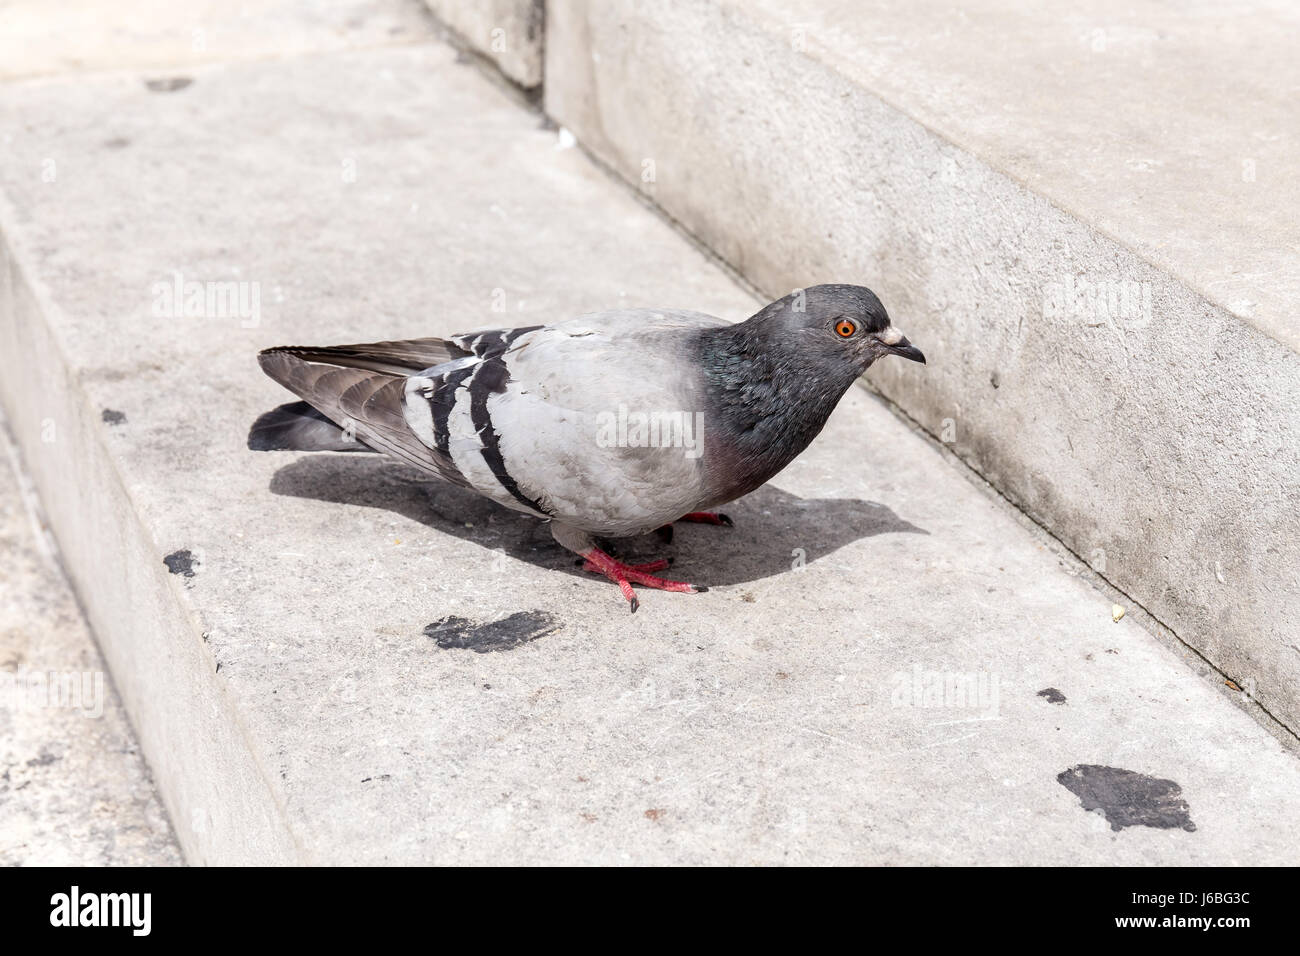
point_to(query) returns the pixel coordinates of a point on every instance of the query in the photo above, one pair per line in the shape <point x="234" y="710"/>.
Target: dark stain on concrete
<point x="1052" y="695"/>
<point x="456" y="633"/>
<point x="44" y="759"/>
<point x="180" y="562"/>
<point x="1128" y="798"/>
<point x="117" y="142"/>
<point x="168" y="84"/>
<point x="112" y="416"/>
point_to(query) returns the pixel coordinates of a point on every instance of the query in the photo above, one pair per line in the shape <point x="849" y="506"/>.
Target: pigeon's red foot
<point x="625" y="575"/>
<point x="707" y="517"/>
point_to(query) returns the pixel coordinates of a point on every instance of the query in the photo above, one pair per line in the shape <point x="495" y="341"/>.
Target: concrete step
<point x="1090" y="231"/>
<point x="75" y="790"/>
<point x="331" y="660"/>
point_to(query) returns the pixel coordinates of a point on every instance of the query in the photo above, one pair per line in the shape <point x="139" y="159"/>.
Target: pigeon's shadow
<point x="774" y="531"/>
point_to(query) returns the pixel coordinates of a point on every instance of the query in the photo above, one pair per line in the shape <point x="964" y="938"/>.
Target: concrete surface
<point x="988" y="171"/>
<point x="39" y="38"/>
<point x="283" y="628"/>
<point x="507" y="32"/>
<point x="75" y="790"/>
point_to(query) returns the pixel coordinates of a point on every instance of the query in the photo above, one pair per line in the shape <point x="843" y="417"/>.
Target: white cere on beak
<point x="891" y="336"/>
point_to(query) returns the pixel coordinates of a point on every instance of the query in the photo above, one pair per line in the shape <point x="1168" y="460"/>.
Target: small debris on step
<point x="168" y="84"/>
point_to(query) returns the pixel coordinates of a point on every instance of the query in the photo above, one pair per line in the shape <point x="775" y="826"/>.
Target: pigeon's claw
<point x="708" y="517"/>
<point x="625" y="575"/>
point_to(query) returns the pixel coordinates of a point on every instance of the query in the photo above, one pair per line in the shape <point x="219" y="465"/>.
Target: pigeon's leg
<point x="707" y="517"/>
<point x="624" y="575"/>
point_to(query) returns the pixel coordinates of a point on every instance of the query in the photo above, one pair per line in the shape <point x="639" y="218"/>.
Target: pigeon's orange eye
<point x="844" y="328"/>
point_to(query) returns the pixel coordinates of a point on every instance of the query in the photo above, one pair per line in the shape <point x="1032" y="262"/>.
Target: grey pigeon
<point x="607" y="425"/>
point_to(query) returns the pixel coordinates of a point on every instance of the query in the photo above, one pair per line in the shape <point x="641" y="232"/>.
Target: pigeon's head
<point x="839" y="326"/>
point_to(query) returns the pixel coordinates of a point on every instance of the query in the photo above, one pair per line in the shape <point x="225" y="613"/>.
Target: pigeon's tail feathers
<point x="299" y="427"/>
<point x="348" y="387"/>
<point x="402" y="358"/>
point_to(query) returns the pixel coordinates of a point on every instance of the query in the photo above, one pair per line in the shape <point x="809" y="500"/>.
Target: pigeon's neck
<point x="766" y="399"/>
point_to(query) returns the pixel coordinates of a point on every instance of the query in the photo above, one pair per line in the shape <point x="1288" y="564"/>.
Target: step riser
<point x="1157" y="440"/>
<point x="213" y="789"/>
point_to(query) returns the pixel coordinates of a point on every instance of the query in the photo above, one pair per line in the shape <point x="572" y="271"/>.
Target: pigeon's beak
<point x="908" y="351"/>
<point x="896" y="343"/>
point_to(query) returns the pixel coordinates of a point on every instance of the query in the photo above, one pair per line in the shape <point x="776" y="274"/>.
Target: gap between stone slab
<point x="528" y="97"/>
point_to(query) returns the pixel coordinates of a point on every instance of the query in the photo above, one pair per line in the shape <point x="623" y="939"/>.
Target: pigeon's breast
<point x="601" y="427"/>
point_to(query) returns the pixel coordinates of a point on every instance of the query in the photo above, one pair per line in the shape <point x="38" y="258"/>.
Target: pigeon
<point x="607" y="425"/>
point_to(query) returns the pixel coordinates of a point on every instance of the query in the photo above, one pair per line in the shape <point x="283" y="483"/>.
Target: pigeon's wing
<point x="533" y="420"/>
<point x="528" y="416"/>
<point x="361" y="389"/>
<point x="399" y="358"/>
